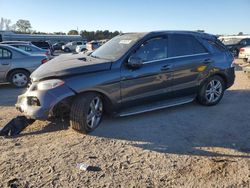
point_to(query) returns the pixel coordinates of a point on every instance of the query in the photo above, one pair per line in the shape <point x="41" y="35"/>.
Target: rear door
<point x="5" y="62"/>
<point x="190" y="59"/>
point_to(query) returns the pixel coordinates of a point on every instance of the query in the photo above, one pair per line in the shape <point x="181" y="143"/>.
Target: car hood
<point x="68" y="65"/>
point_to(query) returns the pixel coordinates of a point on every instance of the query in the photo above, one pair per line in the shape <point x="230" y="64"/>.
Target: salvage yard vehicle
<point x="58" y="46"/>
<point x="16" y="65"/>
<point x="32" y="49"/>
<point x="29" y="47"/>
<point x="245" y="53"/>
<point x="81" y="48"/>
<point x="130" y="74"/>
<point x="71" y="46"/>
<point x="235" y="46"/>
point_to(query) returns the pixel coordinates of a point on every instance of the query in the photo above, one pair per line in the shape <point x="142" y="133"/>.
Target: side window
<point x="153" y="49"/>
<point x="21" y="47"/>
<point x="215" y="46"/>
<point x="79" y="43"/>
<point x="243" y="42"/>
<point x="5" y="54"/>
<point x="28" y="49"/>
<point x="181" y="45"/>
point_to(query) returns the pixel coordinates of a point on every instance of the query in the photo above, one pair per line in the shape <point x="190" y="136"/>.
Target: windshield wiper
<point x="97" y="57"/>
<point x="94" y="56"/>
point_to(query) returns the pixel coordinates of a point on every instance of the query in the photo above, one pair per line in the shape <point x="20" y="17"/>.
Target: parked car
<point x="16" y="65"/>
<point x="130" y="74"/>
<point x="235" y="45"/>
<point x="44" y="45"/>
<point x="58" y="46"/>
<point x="93" y="45"/>
<point x="71" y="46"/>
<point x="30" y="48"/>
<point x="81" y="48"/>
<point x="244" y="53"/>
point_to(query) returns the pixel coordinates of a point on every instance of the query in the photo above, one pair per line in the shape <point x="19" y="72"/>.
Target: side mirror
<point x="135" y="62"/>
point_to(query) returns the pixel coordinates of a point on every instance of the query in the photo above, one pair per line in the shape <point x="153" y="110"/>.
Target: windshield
<point x="117" y="46"/>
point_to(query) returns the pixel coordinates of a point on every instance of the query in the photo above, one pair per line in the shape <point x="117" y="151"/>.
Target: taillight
<point x="44" y="61"/>
<point x="242" y="50"/>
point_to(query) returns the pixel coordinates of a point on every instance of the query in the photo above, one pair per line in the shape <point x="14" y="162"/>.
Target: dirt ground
<point x="184" y="146"/>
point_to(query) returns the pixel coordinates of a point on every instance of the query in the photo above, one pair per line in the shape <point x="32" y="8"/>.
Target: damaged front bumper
<point x="39" y="104"/>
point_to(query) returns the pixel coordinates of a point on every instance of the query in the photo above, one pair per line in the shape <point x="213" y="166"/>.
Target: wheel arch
<point x="223" y="76"/>
<point x="108" y="104"/>
<point x="15" y="69"/>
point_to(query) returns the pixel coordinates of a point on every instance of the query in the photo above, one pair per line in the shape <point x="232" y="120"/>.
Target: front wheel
<point x="86" y="112"/>
<point x="212" y="91"/>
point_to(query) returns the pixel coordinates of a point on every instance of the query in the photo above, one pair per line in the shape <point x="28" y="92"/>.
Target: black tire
<point x="202" y="96"/>
<point x="80" y="109"/>
<point x="22" y="73"/>
<point x="67" y="50"/>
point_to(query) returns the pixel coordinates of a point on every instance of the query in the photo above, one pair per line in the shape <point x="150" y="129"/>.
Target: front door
<point x="150" y="82"/>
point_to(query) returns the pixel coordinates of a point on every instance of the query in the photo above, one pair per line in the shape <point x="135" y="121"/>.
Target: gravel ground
<point x="184" y="146"/>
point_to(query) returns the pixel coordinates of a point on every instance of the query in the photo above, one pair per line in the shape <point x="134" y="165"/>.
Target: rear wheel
<point x="67" y="50"/>
<point x="212" y="91"/>
<point x="86" y="112"/>
<point x="19" y="78"/>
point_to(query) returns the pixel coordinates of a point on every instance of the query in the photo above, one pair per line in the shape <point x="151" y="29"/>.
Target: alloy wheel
<point x="95" y="112"/>
<point x="19" y="79"/>
<point x="214" y="91"/>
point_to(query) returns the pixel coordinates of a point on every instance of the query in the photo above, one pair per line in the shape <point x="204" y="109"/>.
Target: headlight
<point x="49" y="84"/>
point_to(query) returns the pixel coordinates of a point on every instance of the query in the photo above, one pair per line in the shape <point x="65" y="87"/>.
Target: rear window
<point x="41" y="44"/>
<point x="216" y="46"/>
<point x="5" y="54"/>
<point x="181" y="45"/>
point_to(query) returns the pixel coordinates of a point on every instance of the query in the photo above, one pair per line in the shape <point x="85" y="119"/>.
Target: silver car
<point x="30" y="48"/>
<point x="16" y="65"/>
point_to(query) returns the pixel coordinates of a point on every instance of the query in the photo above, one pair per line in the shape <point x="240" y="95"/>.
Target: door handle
<point x="208" y="61"/>
<point x="166" y="67"/>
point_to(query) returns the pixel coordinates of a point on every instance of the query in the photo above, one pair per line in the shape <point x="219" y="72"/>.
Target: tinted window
<point x="79" y="43"/>
<point x="181" y="45"/>
<point x="5" y="54"/>
<point x="41" y="44"/>
<point x="154" y="49"/>
<point x="216" y="46"/>
<point x="248" y="41"/>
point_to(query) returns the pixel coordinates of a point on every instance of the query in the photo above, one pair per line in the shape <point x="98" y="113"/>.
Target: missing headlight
<point x="33" y="101"/>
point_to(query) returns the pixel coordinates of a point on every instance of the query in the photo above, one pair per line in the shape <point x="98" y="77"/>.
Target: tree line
<point x="24" y="27"/>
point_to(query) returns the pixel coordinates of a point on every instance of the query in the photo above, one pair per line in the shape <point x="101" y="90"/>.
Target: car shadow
<point x="191" y="129"/>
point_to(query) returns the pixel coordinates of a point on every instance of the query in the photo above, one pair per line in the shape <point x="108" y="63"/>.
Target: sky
<point x="213" y="16"/>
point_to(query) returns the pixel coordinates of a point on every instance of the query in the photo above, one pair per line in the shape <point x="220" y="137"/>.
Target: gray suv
<point x="130" y="74"/>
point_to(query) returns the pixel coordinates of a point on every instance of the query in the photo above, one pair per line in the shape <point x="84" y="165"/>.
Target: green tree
<point x="73" y="32"/>
<point x="23" y="25"/>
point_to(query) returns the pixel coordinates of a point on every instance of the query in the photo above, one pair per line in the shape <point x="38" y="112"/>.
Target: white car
<point x="81" y="48"/>
<point x="245" y="53"/>
<point x="71" y="46"/>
